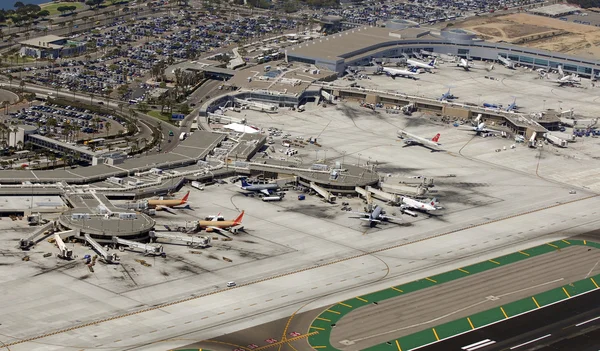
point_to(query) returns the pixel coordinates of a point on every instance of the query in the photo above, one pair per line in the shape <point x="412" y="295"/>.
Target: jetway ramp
<point x="192" y="241"/>
<point x="327" y="196"/>
<point x="108" y="258"/>
<point x="30" y="240"/>
<point x="148" y="249"/>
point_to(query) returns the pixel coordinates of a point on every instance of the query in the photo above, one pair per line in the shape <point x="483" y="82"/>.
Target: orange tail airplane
<point x="162" y="204"/>
<point x="213" y="225"/>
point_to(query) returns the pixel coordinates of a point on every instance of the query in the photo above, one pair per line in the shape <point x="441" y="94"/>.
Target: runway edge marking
<point x="324" y="336"/>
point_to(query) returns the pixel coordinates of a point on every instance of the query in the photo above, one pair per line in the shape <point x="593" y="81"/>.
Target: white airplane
<point x="467" y="65"/>
<point x="569" y="80"/>
<point x="419" y="64"/>
<point x="376" y="216"/>
<point x="481" y="128"/>
<point x="411" y="139"/>
<point x="409" y="204"/>
<point x="464" y="64"/>
<point x="395" y="72"/>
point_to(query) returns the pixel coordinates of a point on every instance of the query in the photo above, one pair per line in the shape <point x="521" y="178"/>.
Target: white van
<point x="231" y="284"/>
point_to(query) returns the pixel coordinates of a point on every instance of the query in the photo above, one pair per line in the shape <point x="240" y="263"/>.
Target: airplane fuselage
<point x="417" y="205"/>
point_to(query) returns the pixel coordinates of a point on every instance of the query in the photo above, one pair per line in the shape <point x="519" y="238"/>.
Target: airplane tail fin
<point x="238" y="220"/>
<point x="432" y="62"/>
<point x="244" y="183"/>
<point x="185" y="198"/>
<point x="434" y="201"/>
<point x="436" y="138"/>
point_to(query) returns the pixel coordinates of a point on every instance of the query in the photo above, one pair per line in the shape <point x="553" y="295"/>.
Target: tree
<point x="44" y="13"/>
<point x="143" y="107"/>
<point x="19" y="5"/>
<point x="184" y="108"/>
<point x="108" y="126"/>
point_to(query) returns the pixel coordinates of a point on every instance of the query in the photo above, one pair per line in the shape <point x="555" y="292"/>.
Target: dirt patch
<point x="487" y="31"/>
<point x="519" y="30"/>
<point x="538" y="32"/>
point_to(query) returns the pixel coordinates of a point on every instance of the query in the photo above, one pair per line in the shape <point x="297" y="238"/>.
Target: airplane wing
<point x="360" y="213"/>
<point x="487" y="130"/>
<point x="391" y="218"/>
<point x="265" y="191"/>
<point x="406" y="206"/>
<point x="370" y="220"/>
<point x="165" y="208"/>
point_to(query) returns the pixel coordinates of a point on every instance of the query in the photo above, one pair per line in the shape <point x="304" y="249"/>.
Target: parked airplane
<point x="166" y="204"/>
<point x="265" y="189"/>
<point x="395" y="72"/>
<point x="464" y="64"/>
<point x="512" y="106"/>
<point x="467" y="65"/>
<point x="218" y="225"/>
<point x="447" y="96"/>
<point x="494" y="106"/>
<point x="570" y="80"/>
<point x="376" y="216"/>
<point x="419" y="64"/>
<point x="481" y="128"/>
<point x="411" y="139"/>
<point x="412" y="204"/>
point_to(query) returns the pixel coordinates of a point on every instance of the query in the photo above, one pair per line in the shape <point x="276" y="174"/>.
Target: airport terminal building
<point x="359" y="46"/>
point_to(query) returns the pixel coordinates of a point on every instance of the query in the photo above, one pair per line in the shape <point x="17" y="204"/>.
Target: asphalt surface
<point x="407" y="314"/>
<point x="555" y="327"/>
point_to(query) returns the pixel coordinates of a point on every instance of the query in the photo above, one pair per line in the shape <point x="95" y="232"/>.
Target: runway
<point x="572" y="325"/>
<point x="407" y="314"/>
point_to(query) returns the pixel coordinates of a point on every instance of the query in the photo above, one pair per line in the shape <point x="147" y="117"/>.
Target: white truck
<point x="553" y="139"/>
<point x="196" y="184"/>
<point x="182" y="136"/>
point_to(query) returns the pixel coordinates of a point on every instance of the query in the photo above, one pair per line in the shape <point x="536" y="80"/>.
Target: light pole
<point x="544" y="108"/>
<point x="479" y="99"/>
<point x="359" y="159"/>
<point x="316" y="155"/>
<point x="343" y="154"/>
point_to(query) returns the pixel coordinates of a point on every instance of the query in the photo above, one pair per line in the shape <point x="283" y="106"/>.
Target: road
<point x="568" y="326"/>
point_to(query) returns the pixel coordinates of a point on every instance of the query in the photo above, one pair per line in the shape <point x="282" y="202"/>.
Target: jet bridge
<point x="365" y="194"/>
<point x="63" y="252"/>
<point x="30" y="241"/>
<point x="327" y="196"/>
<point x="202" y="241"/>
<point x="148" y="249"/>
<point x="393" y="198"/>
<point x="108" y="258"/>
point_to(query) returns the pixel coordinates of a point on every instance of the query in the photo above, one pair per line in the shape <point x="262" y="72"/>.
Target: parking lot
<point x="126" y="59"/>
<point x="68" y="122"/>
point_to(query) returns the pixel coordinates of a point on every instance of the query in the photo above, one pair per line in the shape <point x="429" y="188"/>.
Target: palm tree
<point x="52" y="158"/>
<point x="19" y="145"/>
<point x="107" y="125"/>
<point x="15" y="130"/>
